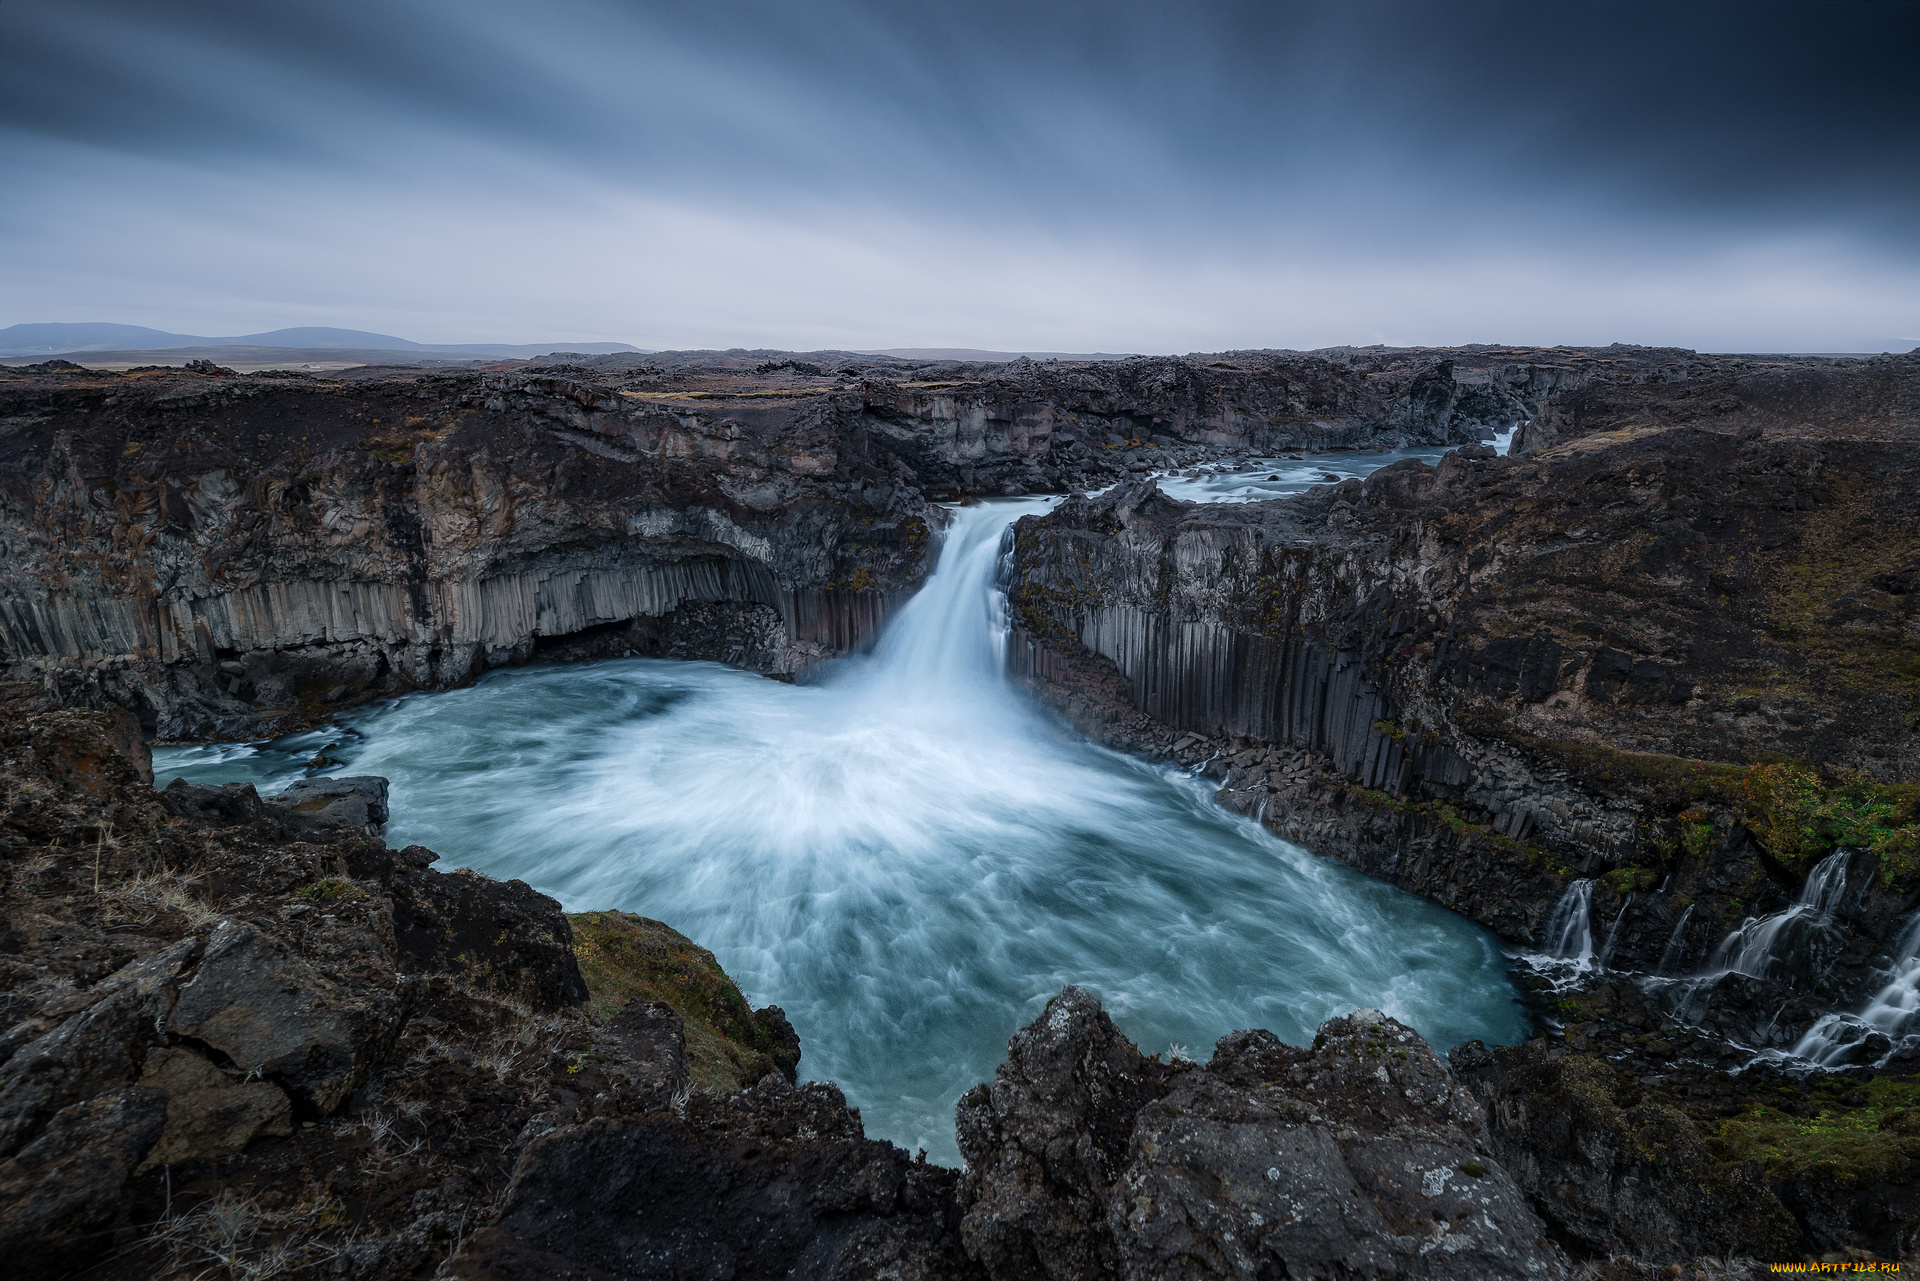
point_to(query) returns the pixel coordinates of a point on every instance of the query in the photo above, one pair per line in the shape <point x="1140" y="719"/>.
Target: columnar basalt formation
<point x="1682" y="662"/>
<point x="223" y="555"/>
<point x="230" y="555"/>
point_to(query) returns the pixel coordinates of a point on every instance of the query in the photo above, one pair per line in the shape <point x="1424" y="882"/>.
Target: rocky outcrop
<point x="229" y="556"/>
<point x="628" y="959"/>
<point x="237" y="1035"/>
<point x="1877" y="398"/>
<point x="1485" y="679"/>
<point x="358" y="803"/>
<point x="1358" y="1157"/>
<point x="1614" y="1170"/>
<point x="775" y="1181"/>
<point x="1046" y="1142"/>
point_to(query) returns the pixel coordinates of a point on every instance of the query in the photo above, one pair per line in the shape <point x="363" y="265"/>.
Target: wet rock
<point x="273" y="1012"/>
<point x="209" y="1115"/>
<point x="97" y="1048"/>
<point x="62" y="1195"/>
<point x="358" y="802"/>
<point x="1356" y="1158"/>
<point x="503" y="936"/>
<point x="1615" y="1172"/>
<point x="1046" y="1141"/>
<point x="777" y="1181"/>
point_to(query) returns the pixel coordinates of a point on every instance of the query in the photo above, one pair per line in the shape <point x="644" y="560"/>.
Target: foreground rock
<point x="776" y="1181"/>
<point x="1359" y="1157"/>
<point x="245" y="1038"/>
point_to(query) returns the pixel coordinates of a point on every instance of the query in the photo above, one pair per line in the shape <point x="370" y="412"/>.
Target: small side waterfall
<point x="1613" y="934"/>
<point x="1839" y="1038"/>
<point x="1798" y="943"/>
<point x="1675" y="942"/>
<point x="1569" y="933"/>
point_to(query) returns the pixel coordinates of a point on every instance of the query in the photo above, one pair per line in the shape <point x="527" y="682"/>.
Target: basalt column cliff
<point x="225" y="555"/>
<point x="1641" y="695"/>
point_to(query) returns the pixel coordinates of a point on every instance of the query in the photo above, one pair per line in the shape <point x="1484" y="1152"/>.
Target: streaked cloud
<point x="1119" y="176"/>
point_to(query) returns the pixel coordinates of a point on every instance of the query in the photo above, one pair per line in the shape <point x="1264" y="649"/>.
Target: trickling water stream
<point x="910" y="859"/>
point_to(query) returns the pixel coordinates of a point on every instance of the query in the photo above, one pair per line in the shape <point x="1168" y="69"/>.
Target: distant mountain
<point x="974" y="353"/>
<point x="39" y="340"/>
<point x="71" y="339"/>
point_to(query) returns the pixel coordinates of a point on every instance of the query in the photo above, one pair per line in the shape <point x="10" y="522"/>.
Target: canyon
<point x="1644" y="684"/>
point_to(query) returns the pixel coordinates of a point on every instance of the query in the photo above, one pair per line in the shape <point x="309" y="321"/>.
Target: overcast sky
<point x="1125" y="176"/>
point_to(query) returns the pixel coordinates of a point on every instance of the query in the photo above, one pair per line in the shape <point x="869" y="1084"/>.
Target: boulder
<point x="61" y="1195"/>
<point x="503" y="936"/>
<point x="359" y="803"/>
<point x="273" y="1012"/>
<point x="96" y="1048"/>
<point x="209" y="1115"/>
<point x="776" y="1181"/>
<point x="222" y="804"/>
<point x="1047" y="1140"/>
<point x="1359" y="1157"/>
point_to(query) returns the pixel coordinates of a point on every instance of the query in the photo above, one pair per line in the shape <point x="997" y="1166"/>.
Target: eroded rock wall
<point x="227" y="555"/>
<point x="1610" y="659"/>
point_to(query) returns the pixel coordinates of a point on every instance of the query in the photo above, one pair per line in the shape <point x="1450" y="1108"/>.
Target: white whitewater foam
<point x="910" y="860"/>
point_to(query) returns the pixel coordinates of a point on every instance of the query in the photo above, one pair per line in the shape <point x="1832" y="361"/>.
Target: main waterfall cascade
<point x="909" y="857"/>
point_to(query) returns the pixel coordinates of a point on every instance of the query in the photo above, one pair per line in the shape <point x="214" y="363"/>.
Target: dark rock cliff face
<point x="216" y="552"/>
<point x="1683" y="664"/>
<point x="233" y="555"/>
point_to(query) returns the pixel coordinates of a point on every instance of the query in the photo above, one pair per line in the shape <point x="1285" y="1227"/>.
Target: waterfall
<point x="1570" y="928"/>
<point x="1889" y="1011"/>
<point x="1799" y="942"/>
<point x="1613" y="935"/>
<point x="1675" y="942"/>
<point x="908" y="855"/>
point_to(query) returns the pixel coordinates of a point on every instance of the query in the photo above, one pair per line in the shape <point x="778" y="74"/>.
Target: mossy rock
<point x="1615" y="1169"/>
<point x="729" y="1044"/>
<point x="1850" y="1136"/>
<point x="1798" y="811"/>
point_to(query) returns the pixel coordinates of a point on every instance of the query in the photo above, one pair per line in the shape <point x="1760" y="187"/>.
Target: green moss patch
<point x="331" y="890"/>
<point x="1850" y="1136"/>
<point x="1797" y="812"/>
<point x="624" y="957"/>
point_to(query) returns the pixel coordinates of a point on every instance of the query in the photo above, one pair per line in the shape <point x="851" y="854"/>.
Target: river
<point x="910" y="857"/>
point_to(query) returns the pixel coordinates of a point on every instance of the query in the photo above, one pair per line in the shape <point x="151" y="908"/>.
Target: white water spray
<point x="1799" y="942"/>
<point x="911" y="859"/>
<point x="1675" y="942"/>
<point x="1891" y="1011"/>
<point x="1569" y="932"/>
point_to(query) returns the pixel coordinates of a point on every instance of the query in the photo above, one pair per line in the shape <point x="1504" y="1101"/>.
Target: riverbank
<point x="251" y="1038"/>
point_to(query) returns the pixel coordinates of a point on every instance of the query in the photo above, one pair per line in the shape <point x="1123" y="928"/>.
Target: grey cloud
<point x="1173" y="136"/>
